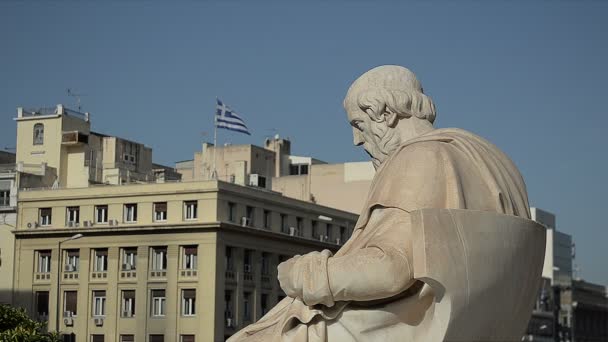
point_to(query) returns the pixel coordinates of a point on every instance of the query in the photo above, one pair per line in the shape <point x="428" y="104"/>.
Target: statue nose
<point x="357" y="138"/>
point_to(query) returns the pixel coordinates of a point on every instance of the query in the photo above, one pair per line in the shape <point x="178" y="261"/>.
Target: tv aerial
<point x="76" y="96"/>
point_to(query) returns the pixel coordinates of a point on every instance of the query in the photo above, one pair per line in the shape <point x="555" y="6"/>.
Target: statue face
<point x="370" y="134"/>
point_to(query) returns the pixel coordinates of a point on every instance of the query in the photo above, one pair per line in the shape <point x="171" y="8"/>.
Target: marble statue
<point x="444" y="249"/>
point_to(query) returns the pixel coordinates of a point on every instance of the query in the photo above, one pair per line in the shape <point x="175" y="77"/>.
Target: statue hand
<point x="289" y="278"/>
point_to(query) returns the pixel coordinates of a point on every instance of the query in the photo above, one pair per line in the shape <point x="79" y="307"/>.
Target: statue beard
<point x="387" y="141"/>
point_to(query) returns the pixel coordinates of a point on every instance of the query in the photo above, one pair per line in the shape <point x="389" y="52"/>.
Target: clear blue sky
<point x="530" y="77"/>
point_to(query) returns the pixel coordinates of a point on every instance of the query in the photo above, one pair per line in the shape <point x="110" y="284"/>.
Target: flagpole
<point x="214" y="173"/>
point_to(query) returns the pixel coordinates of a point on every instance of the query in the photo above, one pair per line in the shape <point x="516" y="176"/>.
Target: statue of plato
<point x="444" y="249"/>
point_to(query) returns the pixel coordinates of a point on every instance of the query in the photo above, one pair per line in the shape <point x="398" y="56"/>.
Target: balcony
<point x="128" y="272"/>
<point x="158" y="274"/>
<point x="74" y="138"/>
<point x="230" y="274"/>
<point x="42" y="277"/>
<point x="70" y="272"/>
<point x="188" y="274"/>
<point x="100" y="275"/>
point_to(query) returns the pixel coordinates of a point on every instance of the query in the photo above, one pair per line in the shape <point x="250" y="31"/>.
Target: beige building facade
<point x="343" y="186"/>
<point x="58" y="144"/>
<point x="8" y="221"/>
<point x="181" y="261"/>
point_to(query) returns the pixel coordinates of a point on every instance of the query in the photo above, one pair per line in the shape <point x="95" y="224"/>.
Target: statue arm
<point x="381" y="268"/>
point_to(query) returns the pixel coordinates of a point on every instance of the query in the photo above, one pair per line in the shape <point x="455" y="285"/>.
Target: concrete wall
<point x="342" y="186"/>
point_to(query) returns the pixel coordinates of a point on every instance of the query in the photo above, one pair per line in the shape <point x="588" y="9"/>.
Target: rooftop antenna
<point x="77" y="96"/>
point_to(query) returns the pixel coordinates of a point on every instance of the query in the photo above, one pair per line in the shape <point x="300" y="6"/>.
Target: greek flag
<point x="228" y="119"/>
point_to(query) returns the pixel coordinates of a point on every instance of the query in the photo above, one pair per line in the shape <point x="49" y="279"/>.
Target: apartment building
<point x="176" y="261"/>
<point x="272" y="166"/>
<point x="57" y="144"/>
<point x="8" y="218"/>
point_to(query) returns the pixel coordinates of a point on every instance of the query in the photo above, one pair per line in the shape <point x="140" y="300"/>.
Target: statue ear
<point x="391" y="118"/>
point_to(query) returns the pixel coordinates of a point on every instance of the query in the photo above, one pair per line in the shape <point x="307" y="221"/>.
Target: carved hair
<point x="404" y="104"/>
<point x="393" y="87"/>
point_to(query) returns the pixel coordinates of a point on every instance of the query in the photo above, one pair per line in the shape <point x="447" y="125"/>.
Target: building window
<point x="130" y="214"/>
<point x="42" y="303"/>
<point x="298" y="169"/>
<point x="160" y="211"/>
<point x="247" y="306"/>
<point x="128" y="303"/>
<point x="265" y="263"/>
<point x="284" y="227"/>
<point x="72" y="260"/>
<point x="101" y="214"/>
<point x="97" y="338"/>
<point x="262" y="181"/>
<point x="158" y="303"/>
<point x="250" y="212"/>
<point x="330" y="232"/>
<point x="73" y="215"/>
<point x="299" y="226"/>
<point x="159" y="258"/>
<point x="315" y="230"/>
<point x="70" y="303"/>
<point x="100" y="260"/>
<point x="190" y="210"/>
<point x="5" y="198"/>
<point x="229" y="309"/>
<point x="248" y="261"/>
<point x="99" y="303"/>
<point x="267" y="219"/>
<point x="38" y="134"/>
<point x="129" y="258"/>
<point x="127" y="338"/>
<point x="231" y="211"/>
<point x="342" y="234"/>
<point x="189" y="302"/>
<point x="189" y="257"/>
<point x="156" y="338"/>
<point x="264" y="303"/>
<point x="186" y="338"/>
<point x="228" y="261"/>
<point x="45" y="216"/>
<point x="43" y="261"/>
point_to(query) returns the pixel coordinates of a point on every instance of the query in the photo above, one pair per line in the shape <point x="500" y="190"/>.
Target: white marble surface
<point x="443" y="250"/>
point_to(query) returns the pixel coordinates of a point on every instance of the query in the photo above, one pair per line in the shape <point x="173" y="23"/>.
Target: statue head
<point x="386" y="106"/>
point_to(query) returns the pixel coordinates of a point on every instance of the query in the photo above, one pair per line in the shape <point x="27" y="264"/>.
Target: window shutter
<point x="157" y="338"/>
<point x="190" y="250"/>
<point x="191" y="293"/>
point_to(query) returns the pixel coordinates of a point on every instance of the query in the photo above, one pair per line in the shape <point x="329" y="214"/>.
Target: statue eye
<point x="356" y="124"/>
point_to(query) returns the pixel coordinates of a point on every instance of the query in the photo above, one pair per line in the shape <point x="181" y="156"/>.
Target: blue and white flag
<point x="226" y="118"/>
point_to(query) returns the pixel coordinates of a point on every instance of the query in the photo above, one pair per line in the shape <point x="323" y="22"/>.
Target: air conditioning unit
<point x="76" y="224"/>
<point x="88" y="223"/>
<point x="68" y="314"/>
<point x="70" y="224"/>
<point x="127" y="313"/>
<point x="70" y="268"/>
<point x="126" y="267"/>
<point x="254" y="179"/>
<point x="293" y="231"/>
<point x="31" y="225"/>
<point x="68" y="321"/>
<point x="245" y="221"/>
<point x="247" y="268"/>
<point x="113" y="222"/>
<point x="98" y="321"/>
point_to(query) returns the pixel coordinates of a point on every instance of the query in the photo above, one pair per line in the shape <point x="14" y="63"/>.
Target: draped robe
<point x="366" y="291"/>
